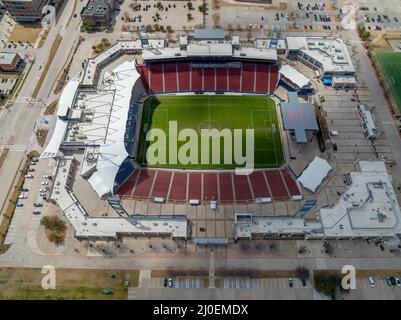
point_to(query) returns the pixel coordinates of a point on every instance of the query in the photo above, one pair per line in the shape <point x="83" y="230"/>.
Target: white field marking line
<point x="209" y="110"/>
<point x="253" y="127"/>
<point x="267" y="138"/>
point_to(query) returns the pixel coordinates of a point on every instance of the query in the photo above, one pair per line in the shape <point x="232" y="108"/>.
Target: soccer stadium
<point x="209" y="82"/>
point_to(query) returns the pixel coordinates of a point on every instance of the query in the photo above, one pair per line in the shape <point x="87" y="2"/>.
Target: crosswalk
<point x="14" y="147"/>
<point x="132" y="293"/>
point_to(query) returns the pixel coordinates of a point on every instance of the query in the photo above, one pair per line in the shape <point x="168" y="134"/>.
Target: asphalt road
<point x="18" y="121"/>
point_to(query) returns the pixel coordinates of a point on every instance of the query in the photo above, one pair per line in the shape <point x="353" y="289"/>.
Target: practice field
<point x="390" y="64"/>
<point x="219" y="112"/>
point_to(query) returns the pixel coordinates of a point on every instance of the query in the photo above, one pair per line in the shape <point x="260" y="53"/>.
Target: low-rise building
<point x="28" y="11"/>
<point x="328" y="56"/>
<point x="9" y="62"/>
<point x="97" y="13"/>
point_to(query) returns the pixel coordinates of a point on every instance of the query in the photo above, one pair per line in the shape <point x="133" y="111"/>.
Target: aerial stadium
<point x="208" y="82"/>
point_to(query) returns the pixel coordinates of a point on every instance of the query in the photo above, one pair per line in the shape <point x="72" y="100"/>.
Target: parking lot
<point x="31" y="205"/>
<point x="134" y="14"/>
<point x="192" y="288"/>
<point x="231" y="283"/>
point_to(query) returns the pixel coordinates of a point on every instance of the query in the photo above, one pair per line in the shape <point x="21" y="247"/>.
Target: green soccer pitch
<point x="390" y="64"/>
<point x="215" y="112"/>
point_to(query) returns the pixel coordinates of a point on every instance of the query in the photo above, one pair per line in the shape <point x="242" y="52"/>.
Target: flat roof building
<point x="9" y="61"/>
<point x="299" y="118"/>
<point x="97" y="11"/>
<point x="328" y="55"/>
<point x="28" y="11"/>
<point x="367" y="209"/>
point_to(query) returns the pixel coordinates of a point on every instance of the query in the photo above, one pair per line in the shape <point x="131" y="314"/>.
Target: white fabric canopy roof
<point x="313" y="175"/>
<point x="113" y="153"/>
<point x="67" y="97"/>
<point x="294" y="76"/>
<point x="53" y="146"/>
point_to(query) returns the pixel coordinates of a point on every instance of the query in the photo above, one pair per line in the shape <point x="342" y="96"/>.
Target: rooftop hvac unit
<point x="72" y="139"/>
<point x="81" y="136"/>
<point x="75" y="127"/>
<point x="87" y="119"/>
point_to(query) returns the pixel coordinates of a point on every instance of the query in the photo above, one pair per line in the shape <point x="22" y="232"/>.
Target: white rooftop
<point x="87" y="227"/>
<point x="367" y="209"/>
<point x="369" y="206"/>
<point x="331" y="52"/>
<point x="260" y="225"/>
<point x="294" y="76"/>
<point x="7" y="58"/>
<point x="314" y="174"/>
<point x="67" y="97"/>
<point x="255" y="53"/>
<point x="112" y="151"/>
<point x="209" y="49"/>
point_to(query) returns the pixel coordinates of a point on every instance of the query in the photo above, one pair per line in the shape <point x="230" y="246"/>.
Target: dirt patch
<point x="26" y="34"/>
<point x="41" y="135"/>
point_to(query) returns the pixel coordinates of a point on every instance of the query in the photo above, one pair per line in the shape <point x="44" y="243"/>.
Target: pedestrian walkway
<point x="14" y="147"/>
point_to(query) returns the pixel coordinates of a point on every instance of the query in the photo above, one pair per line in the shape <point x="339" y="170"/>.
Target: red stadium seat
<point x="170" y="77"/>
<point x="221" y="79"/>
<point x="248" y="78"/>
<point x="184" y="81"/>
<point x="209" y="79"/>
<point x="197" y="79"/>
<point x="156" y="78"/>
<point x="234" y="75"/>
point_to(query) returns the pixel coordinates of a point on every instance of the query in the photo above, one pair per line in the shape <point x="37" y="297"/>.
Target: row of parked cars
<point x="390" y="281"/>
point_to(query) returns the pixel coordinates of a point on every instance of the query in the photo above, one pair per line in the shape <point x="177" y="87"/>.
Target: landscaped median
<point x="53" y="52"/>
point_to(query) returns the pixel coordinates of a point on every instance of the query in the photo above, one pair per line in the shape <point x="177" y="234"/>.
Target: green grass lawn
<point x="390" y="64"/>
<point x="215" y="112"/>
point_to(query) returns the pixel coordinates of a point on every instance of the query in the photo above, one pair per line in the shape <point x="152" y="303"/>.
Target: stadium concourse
<point x="224" y="187"/>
